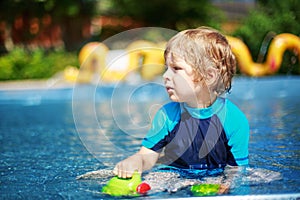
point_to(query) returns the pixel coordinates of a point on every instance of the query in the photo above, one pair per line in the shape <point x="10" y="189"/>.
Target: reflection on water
<point x="44" y="146"/>
<point x="275" y="132"/>
<point x="275" y="126"/>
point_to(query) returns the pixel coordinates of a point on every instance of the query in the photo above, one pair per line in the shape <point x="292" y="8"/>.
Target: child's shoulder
<point x="172" y="110"/>
<point x="234" y="115"/>
<point x="233" y="108"/>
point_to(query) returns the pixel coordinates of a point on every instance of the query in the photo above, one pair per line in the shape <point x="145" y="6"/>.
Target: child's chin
<point x="173" y="98"/>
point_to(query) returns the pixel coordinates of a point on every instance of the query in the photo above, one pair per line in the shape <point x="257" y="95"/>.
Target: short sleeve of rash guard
<point x="165" y="120"/>
<point x="237" y="130"/>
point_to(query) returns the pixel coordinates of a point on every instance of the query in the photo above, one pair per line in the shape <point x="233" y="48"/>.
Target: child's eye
<point x="177" y="68"/>
<point x="174" y="68"/>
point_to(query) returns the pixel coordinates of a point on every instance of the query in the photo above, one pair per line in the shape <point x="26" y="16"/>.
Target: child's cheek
<point x="184" y="86"/>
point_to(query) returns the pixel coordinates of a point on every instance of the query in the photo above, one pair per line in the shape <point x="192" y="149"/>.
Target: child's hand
<point x="224" y="189"/>
<point x="125" y="168"/>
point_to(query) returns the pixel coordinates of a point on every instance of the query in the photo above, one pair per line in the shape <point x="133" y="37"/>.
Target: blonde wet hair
<point x="203" y="48"/>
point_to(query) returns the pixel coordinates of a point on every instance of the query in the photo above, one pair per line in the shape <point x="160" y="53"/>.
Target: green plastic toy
<point x="205" y="189"/>
<point x="123" y="187"/>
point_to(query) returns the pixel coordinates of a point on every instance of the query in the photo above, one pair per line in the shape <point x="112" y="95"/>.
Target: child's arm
<point x="143" y="160"/>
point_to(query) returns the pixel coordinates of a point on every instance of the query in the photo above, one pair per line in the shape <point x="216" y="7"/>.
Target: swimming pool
<point x="51" y="135"/>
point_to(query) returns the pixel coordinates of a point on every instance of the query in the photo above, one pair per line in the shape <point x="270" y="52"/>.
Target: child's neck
<point x="202" y="103"/>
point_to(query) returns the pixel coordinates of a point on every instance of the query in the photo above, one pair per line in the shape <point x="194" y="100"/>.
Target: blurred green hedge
<point x="34" y="64"/>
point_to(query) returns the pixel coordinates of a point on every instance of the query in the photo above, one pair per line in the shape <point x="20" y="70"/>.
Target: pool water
<point x="50" y="136"/>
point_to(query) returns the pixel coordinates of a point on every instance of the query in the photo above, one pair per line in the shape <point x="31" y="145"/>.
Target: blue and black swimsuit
<point x="193" y="138"/>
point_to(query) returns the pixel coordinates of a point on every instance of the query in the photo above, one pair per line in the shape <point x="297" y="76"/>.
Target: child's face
<point x="179" y="81"/>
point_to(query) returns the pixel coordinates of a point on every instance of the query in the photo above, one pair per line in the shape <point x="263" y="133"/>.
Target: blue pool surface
<point x="49" y="136"/>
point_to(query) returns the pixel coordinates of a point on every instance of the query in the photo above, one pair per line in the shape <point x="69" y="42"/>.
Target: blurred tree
<point x="271" y="17"/>
<point x="24" y="17"/>
<point x="176" y="14"/>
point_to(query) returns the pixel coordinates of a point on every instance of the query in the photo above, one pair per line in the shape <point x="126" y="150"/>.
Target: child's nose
<point x="167" y="74"/>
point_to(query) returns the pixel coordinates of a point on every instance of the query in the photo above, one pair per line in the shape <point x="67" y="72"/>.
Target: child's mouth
<point x="169" y="89"/>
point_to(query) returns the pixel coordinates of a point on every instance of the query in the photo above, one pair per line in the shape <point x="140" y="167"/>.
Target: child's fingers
<point x="115" y="171"/>
<point x="121" y="171"/>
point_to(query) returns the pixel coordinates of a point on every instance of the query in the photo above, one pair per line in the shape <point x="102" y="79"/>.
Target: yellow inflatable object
<point x="92" y="60"/>
<point x="147" y="56"/>
<point x="278" y="46"/>
<point x="134" y="51"/>
<point x="98" y="62"/>
<point x="70" y="73"/>
<point x="93" y="50"/>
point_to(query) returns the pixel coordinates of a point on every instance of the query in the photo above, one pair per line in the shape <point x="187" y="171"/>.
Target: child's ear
<point x="212" y="76"/>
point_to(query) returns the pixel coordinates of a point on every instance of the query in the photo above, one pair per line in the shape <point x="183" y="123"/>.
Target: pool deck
<point x="34" y="84"/>
<point x="57" y="82"/>
<point x="295" y="196"/>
